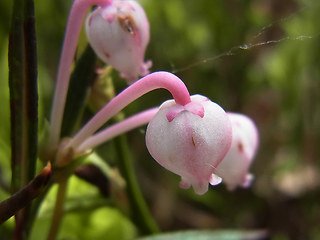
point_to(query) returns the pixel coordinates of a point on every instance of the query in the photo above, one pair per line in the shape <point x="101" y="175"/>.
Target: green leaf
<point x="23" y="93"/>
<point x="87" y="215"/>
<point x="210" y="235"/>
<point x="79" y="84"/>
<point x="22" y="61"/>
<point x="30" y="89"/>
<point x="102" y="223"/>
<point x="15" y="61"/>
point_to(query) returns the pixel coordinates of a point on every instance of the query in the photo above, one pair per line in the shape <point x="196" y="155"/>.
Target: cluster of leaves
<point x="256" y="57"/>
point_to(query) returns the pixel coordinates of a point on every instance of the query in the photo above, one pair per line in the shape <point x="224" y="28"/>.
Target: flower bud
<point x="190" y="140"/>
<point x="119" y="34"/>
<point x="235" y="166"/>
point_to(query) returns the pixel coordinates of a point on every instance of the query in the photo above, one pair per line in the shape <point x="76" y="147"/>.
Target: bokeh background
<point x="257" y="57"/>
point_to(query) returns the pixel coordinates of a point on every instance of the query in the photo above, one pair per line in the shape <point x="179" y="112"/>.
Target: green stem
<point x="15" y="60"/>
<point x="58" y="210"/>
<point x="30" y="91"/>
<point x="140" y="211"/>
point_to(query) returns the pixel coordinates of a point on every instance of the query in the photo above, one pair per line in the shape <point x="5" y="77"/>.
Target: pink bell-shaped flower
<point x="119" y="34"/>
<point x="190" y="140"/>
<point x="235" y="166"/>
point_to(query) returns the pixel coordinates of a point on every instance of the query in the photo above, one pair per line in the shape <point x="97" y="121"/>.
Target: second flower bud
<point x="119" y="34"/>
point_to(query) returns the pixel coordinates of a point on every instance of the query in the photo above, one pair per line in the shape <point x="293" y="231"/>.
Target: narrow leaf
<point x="23" y="105"/>
<point x="31" y="90"/>
<point x="211" y="235"/>
<point x="79" y="84"/>
<point x="15" y="61"/>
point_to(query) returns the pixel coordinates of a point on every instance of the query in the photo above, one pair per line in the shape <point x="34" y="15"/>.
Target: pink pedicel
<point x="234" y="168"/>
<point x="119" y="34"/>
<point x="144" y="85"/>
<point x="118" y="128"/>
<point x="73" y="28"/>
<point x="190" y="142"/>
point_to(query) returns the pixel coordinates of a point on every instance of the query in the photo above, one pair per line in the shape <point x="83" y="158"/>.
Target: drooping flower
<point x="234" y="168"/>
<point x="119" y="34"/>
<point x="190" y="140"/>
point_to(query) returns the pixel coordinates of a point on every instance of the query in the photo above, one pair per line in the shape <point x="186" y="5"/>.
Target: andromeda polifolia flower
<point x="119" y="34"/>
<point x="190" y="140"/>
<point x="235" y="166"/>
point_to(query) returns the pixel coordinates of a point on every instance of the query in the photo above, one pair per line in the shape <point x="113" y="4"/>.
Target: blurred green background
<point x="258" y="57"/>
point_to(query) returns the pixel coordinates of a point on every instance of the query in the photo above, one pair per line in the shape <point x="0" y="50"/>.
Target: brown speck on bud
<point x="193" y="141"/>
<point x="240" y="147"/>
<point x="127" y="24"/>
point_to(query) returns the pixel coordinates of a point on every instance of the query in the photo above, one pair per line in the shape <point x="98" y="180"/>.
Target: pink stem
<point x="118" y="129"/>
<point x="146" y="84"/>
<point x="76" y="16"/>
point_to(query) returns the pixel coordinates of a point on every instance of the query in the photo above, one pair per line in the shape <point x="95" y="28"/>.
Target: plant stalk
<point x="58" y="210"/>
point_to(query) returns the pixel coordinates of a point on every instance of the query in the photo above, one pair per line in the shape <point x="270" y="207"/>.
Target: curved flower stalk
<point x="146" y="84"/>
<point x="73" y="28"/>
<point x="119" y="34"/>
<point x="190" y="140"/>
<point x="235" y="166"/>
